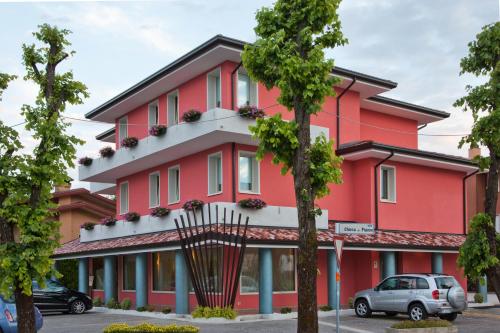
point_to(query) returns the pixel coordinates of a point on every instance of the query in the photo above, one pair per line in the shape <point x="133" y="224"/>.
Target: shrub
<point x="158" y="130"/>
<point x="252" y="203"/>
<point x="108" y="221"/>
<point x="141" y="309"/>
<point x="159" y="212"/>
<point x="478" y="298"/>
<point x="421" y="324"/>
<point x="251" y="112"/>
<point x="191" y="116"/>
<point x="166" y="310"/>
<point x="88" y="226"/>
<point x="126" y="304"/>
<point x="286" y="309"/>
<point x="97" y="301"/>
<point x="350" y="302"/>
<point x="325" y="308"/>
<point x="150" y="308"/>
<point x="107" y="152"/>
<point x="150" y="328"/>
<point x="217" y="312"/>
<point x="112" y="304"/>
<point x="85" y="161"/>
<point x="130" y="142"/>
<point x="132" y="217"/>
<point x="193" y="204"/>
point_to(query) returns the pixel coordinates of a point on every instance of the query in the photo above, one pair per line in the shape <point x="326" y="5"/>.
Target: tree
<point x="28" y="234"/>
<point x="289" y="54"/>
<point x="484" y="103"/>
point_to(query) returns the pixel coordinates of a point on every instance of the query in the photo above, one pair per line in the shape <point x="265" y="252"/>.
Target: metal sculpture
<point x="214" y="254"/>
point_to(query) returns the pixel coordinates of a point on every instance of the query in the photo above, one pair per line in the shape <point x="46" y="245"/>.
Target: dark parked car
<point x="57" y="298"/>
<point x="8" y="316"/>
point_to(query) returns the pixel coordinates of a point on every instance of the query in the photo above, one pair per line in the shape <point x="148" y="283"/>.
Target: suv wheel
<point x="362" y="308"/>
<point x="78" y="307"/>
<point x="449" y="316"/>
<point x="417" y="312"/>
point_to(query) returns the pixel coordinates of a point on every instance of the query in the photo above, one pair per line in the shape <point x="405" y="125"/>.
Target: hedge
<point x="150" y="328"/>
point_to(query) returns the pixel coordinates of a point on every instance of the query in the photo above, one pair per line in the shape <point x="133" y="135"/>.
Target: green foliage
<point x="4" y="82"/>
<point x="141" y="309"/>
<point x="26" y="180"/>
<point x="150" y="328"/>
<point x="406" y="324"/>
<point x="113" y="304"/>
<point x="217" y="312"/>
<point x="69" y="271"/>
<point x="150" y="308"/>
<point x="325" y="308"/>
<point x="478" y="298"/>
<point x="126" y="304"/>
<point x="166" y="310"/>
<point x="475" y="256"/>
<point x="351" y="303"/>
<point x="285" y="310"/>
<point x="97" y="301"/>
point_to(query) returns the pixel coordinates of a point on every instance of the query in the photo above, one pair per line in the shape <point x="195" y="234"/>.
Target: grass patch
<point x="421" y="324"/>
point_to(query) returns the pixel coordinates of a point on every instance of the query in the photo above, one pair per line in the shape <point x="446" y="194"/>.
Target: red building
<point x="414" y="200"/>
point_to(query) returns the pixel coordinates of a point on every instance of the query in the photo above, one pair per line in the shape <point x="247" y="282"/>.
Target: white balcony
<point x="216" y="127"/>
<point x="270" y="216"/>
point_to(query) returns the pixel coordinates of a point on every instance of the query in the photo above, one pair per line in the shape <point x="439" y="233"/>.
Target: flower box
<point x="132" y="217"/>
<point x="191" y="116"/>
<point x="251" y="112"/>
<point x="130" y="142"/>
<point x="107" y="152"/>
<point x="193" y="204"/>
<point x="158" y="130"/>
<point x="87" y="161"/>
<point x="88" y="226"/>
<point x="108" y="221"/>
<point x="159" y="212"/>
<point x="252" y="203"/>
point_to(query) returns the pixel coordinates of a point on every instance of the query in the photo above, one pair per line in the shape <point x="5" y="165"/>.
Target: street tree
<point x="289" y="54"/>
<point x="28" y="233"/>
<point x="481" y="252"/>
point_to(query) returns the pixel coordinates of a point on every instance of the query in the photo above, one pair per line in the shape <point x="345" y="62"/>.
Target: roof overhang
<point x="107" y="136"/>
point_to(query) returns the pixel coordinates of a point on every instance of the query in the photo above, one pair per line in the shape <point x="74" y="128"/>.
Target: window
<point x="122" y="129"/>
<point x="53" y="286"/>
<point x="98" y="272"/>
<point x="129" y="272"/>
<point x="249" y="279"/>
<point x="164" y="271"/>
<point x="248" y="173"/>
<point x="247" y="90"/>
<point x="388" y="184"/>
<point x="173" y="108"/>
<point x="389" y="284"/>
<point x="422" y="283"/>
<point x="154" y="189"/>
<point x="213" y="89"/>
<point x="153" y="114"/>
<point x="124" y="198"/>
<point x="283" y="270"/>
<point x="174" y="185"/>
<point x="215" y="173"/>
<point x="446" y="282"/>
<point x="406" y="283"/>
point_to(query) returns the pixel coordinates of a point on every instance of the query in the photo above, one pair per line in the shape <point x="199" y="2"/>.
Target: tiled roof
<point x="392" y="239"/>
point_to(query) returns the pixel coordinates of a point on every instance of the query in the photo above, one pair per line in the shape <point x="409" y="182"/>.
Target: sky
<point x="418" y="44"/>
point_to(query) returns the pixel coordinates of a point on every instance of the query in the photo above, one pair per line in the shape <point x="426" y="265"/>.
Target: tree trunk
<point x="25" y="310"/>
<point x="308" y="242"/>
<point x="490" y="206"/>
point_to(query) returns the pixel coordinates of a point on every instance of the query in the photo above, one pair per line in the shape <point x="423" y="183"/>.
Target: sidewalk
<point x="492" y="301"/>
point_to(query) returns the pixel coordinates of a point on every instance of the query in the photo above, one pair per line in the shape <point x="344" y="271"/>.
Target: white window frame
<point x="251" y="153"/>
<point x="178" y="167"/>
<point x="121" y="198"/>
<point x="215" y="72"/>
<point x="254" y="89"/>
<point x="172" y="93"/>
<point x="219" y="153"/>
<point x="157" y="104"/>
<point x="120" y="132"/>
<point x="156" y="173"/>
<point x="393" y="168"/>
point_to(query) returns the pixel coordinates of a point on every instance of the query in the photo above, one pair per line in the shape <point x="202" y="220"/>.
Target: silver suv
<point x="418" y="295"/>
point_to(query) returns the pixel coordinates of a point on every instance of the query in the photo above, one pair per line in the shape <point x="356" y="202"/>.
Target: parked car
<point x="57" y="298"/>
<point x="418" y="295"/>
<point x="8" y="316"/>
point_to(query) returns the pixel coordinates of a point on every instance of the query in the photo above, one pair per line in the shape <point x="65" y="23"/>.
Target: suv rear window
<point x="446" y="282"/>
<point x="422" y="283"/>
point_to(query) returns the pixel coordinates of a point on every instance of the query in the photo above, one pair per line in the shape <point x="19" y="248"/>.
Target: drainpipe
<point x="232" y="83"/>
<point x="376" y="186"/>
<point x="338" y="108"/>
<point x="465" y="199"/>
<point x="233" y="173"/>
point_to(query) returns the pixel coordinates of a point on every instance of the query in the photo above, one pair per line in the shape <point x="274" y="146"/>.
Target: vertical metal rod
<point x="235" y="248"/>
<point x="223" y="258"/>
<point x="240" y="263"/>
<point x="206" y="256"/>
<point x="226" y="282"/>
<point x="218" y="287"/>
<point x="199" y="258"/>
<point x="191" y="263"/>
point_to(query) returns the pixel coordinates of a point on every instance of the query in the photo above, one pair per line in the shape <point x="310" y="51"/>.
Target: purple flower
<point x="88" y="226"/>
<point x="108" y="221"/>
<point x="251" y="112"/>
<point x="159" y="212"/>
<point x="191" y="116"/>
<point x="107" y="152"/>
<point x="157" y="130"/>
<point x="132" y="217"/>
<point x="130" y="142"/>
<point x="85" y="161"/>
<point x="252" y="203"/>
<point x="193" y="204"/>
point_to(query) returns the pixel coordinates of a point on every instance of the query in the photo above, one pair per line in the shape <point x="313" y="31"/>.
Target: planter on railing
<point x="130" y="142"/>
<point x="159" y="212"/>
<point x="86" y="161"/>
<point x="251" y="112"/>
<point x="107" y="152"/>
<point x="132" y="217"/>
<point x="193" y="204"/>
<point x="158" y="130"/>
<point x="88" y="226"/>
<point x="108" y="221"/>
<point x="191" y="116"/>
<point x="252" y="203"/>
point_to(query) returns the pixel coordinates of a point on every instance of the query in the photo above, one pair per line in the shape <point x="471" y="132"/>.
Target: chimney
<point x="474" y="151"/>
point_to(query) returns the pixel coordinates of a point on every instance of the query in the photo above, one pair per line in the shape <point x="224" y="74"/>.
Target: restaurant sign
<point x="354" y="228"/>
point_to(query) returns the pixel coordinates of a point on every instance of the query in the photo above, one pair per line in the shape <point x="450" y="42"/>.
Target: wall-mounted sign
<point x="354" y="228"/>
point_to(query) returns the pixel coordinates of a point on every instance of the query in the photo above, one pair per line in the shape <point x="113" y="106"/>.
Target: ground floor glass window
<point x="98" y="273"/>
<point x="129" y="272"/>
<point x="164" y="271"/>
<point x="249" y="281"/>
<point x="283" y="270"/>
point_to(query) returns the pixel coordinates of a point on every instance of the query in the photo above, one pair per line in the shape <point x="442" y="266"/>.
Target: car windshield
<point x="446" y="282"/>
